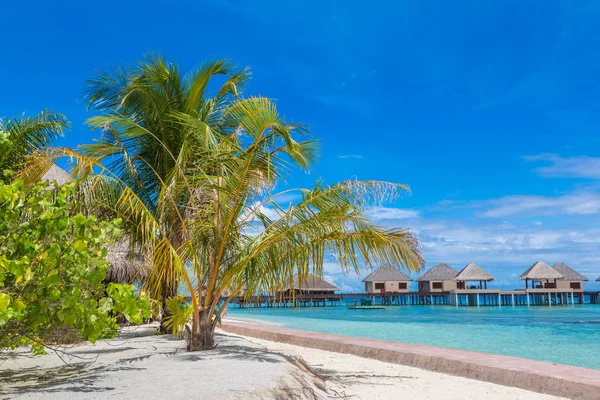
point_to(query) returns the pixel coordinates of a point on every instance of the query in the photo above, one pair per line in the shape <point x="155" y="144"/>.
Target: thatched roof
<point x="568" y="273"/>
<point x="57" y="174"/>
<point x="125" y="266"/>
<point x="473" y="272"/>
<point x="387" y="273"/>
<point x="311" y="283"/>
<point x="439" y="272"/>
<point x="540" y="271"/>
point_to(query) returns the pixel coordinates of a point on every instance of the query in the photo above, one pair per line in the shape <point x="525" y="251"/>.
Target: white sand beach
<point x="139" y="365"/>
<point x="354" y="377"/>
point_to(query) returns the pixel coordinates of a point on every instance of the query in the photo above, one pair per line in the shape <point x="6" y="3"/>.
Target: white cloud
<point x="579" y="203"/>
<point x="507" y="244"/>
<point x="256" y="208"/>
<point x="389" y="213"/>
<point x="255" y="228"/>
<point x="355" y="156"/>
<point x="567" y="167"/>
<point x="288" y="197"/>
<point x="348" y="283"/>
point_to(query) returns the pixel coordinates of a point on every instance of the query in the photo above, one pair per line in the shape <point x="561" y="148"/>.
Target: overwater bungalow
<point x="312" y="284"/>
<point x="541" y="275"/>
<point x="571" y="278"/>
<point x="472" y="273"/>
<point x="440" y="278"/>
<point x="387" y="279"/>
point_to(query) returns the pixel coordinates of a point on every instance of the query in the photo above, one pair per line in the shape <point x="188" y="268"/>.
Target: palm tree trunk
<point x="204" y="337"/>
<point x="169" y="286"/>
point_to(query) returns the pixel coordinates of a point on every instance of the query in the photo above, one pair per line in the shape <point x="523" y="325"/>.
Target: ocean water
<point x="564" y="335"/>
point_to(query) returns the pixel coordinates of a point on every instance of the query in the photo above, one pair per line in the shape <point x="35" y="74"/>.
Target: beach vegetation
<point x="52" y="268"/>
<point x="180" y="314"/>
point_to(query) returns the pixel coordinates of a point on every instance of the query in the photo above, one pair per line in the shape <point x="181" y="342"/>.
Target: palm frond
<point x="26" y="135"/>
<point x="181" y="314"/>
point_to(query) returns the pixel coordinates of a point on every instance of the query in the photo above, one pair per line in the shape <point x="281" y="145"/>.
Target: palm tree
<point x="145" y="145"/>
<point x="22" y="136"/>
<point x="195" y="178"/>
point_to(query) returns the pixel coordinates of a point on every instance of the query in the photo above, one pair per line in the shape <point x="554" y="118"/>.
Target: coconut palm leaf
<point x="23" y="136"/>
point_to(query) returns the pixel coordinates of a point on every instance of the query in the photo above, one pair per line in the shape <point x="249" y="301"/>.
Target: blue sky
<point x="488" y="110"/>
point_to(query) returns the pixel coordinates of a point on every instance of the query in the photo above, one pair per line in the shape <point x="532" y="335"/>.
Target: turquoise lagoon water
<point x="564" y="335"/>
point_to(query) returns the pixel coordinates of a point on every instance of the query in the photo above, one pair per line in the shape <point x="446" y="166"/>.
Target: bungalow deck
<point x="458" y="298"/>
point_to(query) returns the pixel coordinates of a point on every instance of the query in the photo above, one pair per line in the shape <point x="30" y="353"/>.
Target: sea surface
<point x="565" y="335"/>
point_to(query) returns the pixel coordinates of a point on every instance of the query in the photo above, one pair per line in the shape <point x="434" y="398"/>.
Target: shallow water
<point x="565" y="335"/>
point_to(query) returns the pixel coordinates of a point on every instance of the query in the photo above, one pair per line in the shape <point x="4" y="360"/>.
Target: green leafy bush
<point x="52" y="267"/>
<point x="181" y="313"/>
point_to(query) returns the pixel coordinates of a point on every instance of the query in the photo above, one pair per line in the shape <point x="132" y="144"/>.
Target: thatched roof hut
<point x="387" y="279"/>
<point x="57" y="174"/>
<point x="568" y="273"/>
<point x="387" y="273"/>
<point x="540" y="271"/>
<point x="439" y="272"/>
<point x="473" y="272"/>
<point x="126" y="266"/>
<point x="312" y="283"/>
<point x="440" y="278"/>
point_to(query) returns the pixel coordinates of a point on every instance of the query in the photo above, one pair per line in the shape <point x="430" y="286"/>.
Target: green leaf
<point x="19" y="305"/>
<point x="105" y="304"/>
<point x="4" y="301"/>
<point x="80" y="245"/>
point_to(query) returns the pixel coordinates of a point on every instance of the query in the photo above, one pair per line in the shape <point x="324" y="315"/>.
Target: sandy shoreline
<point x="363" y="378"/>
<point x="141" y="365"/>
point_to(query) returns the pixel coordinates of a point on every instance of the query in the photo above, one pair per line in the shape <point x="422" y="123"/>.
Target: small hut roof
<point x="568" y="273"/>
<point x="473" y="272"/>
<point x="312" y="282"/>
<point x="439" y="272"/>
<point x="387" y="273"/>
<point x="540" y="270"/>
<point x="125" y="265"/>
<point x="57" y="174"/>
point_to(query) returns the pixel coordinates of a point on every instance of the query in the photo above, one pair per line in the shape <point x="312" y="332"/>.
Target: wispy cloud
<point x="289" y="197"/>
<point x="579" y="203"/>
<point x="258" y="208"/>
<point x="389" y="213"/>
<point x="567" y="167"/>
<point x="351" y="156"/>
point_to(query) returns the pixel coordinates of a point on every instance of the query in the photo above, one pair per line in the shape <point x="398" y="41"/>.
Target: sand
<point x="363" y="378"/>
<point x="139" y="365"/>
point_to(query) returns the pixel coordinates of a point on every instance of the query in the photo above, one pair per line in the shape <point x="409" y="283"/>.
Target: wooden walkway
<point x="458" y="298"/>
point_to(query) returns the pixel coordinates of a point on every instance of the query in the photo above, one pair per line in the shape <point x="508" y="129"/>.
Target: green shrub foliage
<point x="52" y="268"/>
